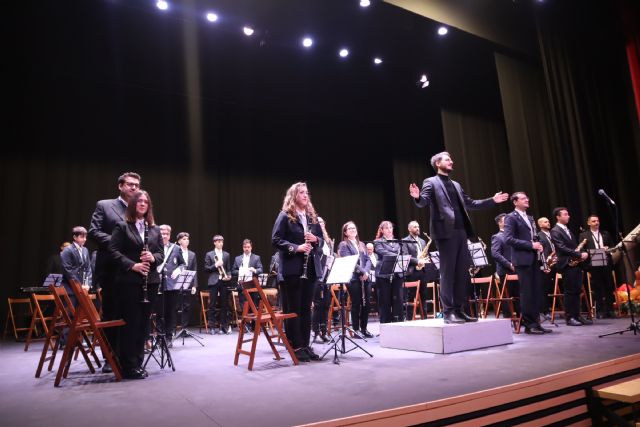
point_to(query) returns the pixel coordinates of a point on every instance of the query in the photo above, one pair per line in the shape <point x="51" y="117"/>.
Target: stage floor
<point x="208" y="390"/>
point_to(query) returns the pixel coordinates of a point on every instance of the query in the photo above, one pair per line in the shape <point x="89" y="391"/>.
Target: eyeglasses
<point x="132" y="184"/>
<point x="351" y="228"/>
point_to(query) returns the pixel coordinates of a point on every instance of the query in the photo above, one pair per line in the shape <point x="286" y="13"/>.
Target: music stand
<point x="435" y="258"/>
<point x="52" y="279"/>
<point x="479" y="259"/>
<point x="160" y="339"/>
<point x="185" y="280"/>
<point x="598" y="257"/>
<point x="340" y="272"/>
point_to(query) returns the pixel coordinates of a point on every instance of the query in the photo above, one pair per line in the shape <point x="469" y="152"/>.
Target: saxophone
<point x="575" y="261"/>
<point x="425" y="252"/>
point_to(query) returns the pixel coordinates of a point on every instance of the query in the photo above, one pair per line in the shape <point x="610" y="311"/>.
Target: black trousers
<point x="218" y="292"/>
<point x="572" y="288"/>
<point x="547" y="283"/>
<point x="390" y="299"/>
<point x="321" y="302"/>
<point x="529" y="277"/>
<point x="360" y="293"/>
<point x="296" y="298"/>
<point x="110" y="308"/>
<point x="171" y="300"/>
<point x="602" y="288"/>
<point x="454" y="271"/>
<point x="136" y="330"/>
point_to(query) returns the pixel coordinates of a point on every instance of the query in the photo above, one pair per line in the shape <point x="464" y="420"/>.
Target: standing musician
<point x="76" y="263"/>
<point x="372" y="274"/>
<point x="520" y="234"/>
<point x="358" y="290"/>
<point x="450" y="227"/>
<point x="218" y="264"/>
<point x="297" y="236"/>
<point x="567" y="250"/>
<point x="321" y="293"/>
<point x="191" y="264"/>
<point x="417" y="269"/>
<point x="136" y="269"/>
<point x="548" y="276"/>
<point x="250" y="264"/>
<point x="501" y="254"/>
<point x="169" y="271"/>
<point x="601" y="280"/>
<point x="388" y="286"/>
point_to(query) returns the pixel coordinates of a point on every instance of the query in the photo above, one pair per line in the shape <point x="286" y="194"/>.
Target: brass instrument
<point x="223" y="274"/>
<point x="575" y="261"/>
<point x="145" y="248"/>
<point x="425" y="253"/>
<point x="552" y="259"/>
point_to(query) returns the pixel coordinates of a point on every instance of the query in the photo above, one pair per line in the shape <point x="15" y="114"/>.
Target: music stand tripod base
<point x="184" y="280"/>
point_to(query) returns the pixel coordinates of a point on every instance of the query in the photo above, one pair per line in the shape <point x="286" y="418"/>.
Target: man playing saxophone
<point x="548" y="275"/>
<point x="218" y="264"/>
<point x="420" y="266"/>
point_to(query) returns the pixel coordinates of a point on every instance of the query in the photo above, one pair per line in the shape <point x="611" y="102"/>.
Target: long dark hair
<point x="130" y="214"/>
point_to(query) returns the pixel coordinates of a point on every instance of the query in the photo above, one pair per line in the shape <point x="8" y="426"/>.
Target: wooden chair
<point x="504" y="296"/>
<point x="204" y="305"/>
<point x="433" y="301"/>
<point x="262" y="315"/>
<point x="416" y="303"/>
<point x="496" y="296"/>
<point x="335" y="307"/>
<point x="38" y="317"/>
<point x="87" y="319"/>
<point x="483" y="303"/>
<point x="558" y="298"/>
<point x="11" y="317"/>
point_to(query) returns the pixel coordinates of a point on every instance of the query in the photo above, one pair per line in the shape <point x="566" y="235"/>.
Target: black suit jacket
<point x="546" y="243"/>
<point x="519" y="237"/>
<point x="192" y="265"/>
<point x="591" y="244"/>
<point x="441" y="210"/>
<point x="210" y="266"/>
<point x="73" y="267"/>
<point x="107" y="214"/>
<point x="286" y="236"/>
<point x="254" y="261"/>
<point x="565" y="246"/>
<point x="364" y="263"/>
<point x="501" y="254"/>
<point x="381" y="247"/>
<point x="126" y="247"/>
<point x="412" y="249"/>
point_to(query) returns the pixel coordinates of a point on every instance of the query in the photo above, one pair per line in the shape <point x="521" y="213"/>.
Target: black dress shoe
<point x="573" y="322"/>
<point x="545" y="330"/>
<point x="466" y="317"/>
<point x="534" y="330"/>
<point x="302" y="355"/>
<point x="106" y="368"/>
<point x="133" y="374"/>
<point x="312" y="354"/>
<point x="367" y="334"/>
<point x="453" y="318"/>
<point x="585" y="321"/>
<point x="324" y="337"/>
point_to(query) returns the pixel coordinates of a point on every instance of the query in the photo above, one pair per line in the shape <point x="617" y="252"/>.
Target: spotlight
<point x="377" y="61"/>
<point x="365" y="3"/>
<point x="248" y="31"/>
<point x="443" y="31"/>
<point x="423" y="82"/>
<point x="162" y="5"/>
<point x="307" y="42"/>
<point x="343" y="53"/>
<point x="212" y="17"/>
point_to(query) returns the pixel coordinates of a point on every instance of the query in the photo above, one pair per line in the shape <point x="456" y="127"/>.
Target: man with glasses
<point x="107" y="214"/>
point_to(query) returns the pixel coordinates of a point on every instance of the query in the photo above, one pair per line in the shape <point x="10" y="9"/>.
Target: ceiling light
<point x="343" y="53"/>
<point x="248" y="31"/>
<point x="162" y="5"/>
<point x="365" y="3"/>
<point x="377" y="61"/>
<point x="212" y="17"/>
<point x="307" y="42"/>
<point x="443" y="31"/>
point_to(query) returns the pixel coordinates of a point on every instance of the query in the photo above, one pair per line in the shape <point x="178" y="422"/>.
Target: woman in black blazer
<point x="388" y="286"/>
<point x="358" y="287"/>
<point x="133" y="265"/>
<point x="295" y="234"/>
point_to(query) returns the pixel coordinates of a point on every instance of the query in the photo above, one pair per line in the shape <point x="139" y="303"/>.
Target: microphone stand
<point x="633" y="327"/>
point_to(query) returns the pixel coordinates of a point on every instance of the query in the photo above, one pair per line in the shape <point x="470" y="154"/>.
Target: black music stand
<point x="479" y="259"/>
<point x="185" y="281"/>
<point x="340" y="272"/>
<point x="160" y="339"/>
<point x="52" y="279"/>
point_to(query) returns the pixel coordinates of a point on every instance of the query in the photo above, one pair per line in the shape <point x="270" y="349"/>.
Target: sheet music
<point x="402" y="263"/>
<point x="244" y="274"/>
<point x="185" y="279"/>
<point x="342" y="269"/>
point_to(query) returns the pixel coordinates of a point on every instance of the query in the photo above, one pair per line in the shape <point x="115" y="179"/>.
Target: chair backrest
<point x="64" y="306"/>
<point x="86" y="310"/>
<point x="482" y="280"/>
<point x="414" y="284"/>
<point x="253" y="286"/>
<point x="511" y="278"/>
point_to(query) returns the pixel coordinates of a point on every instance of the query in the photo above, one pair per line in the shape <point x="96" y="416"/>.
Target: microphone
<point x="603" y="194"/>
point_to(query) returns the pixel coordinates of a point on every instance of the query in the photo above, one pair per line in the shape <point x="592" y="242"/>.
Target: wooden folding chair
<point x="335" y="307"/>
<point x="558" y="298"/>
<point x="11" y="317"/>
<point x="38" y="317"/>
<point x="433" y="301"/>
<point x="483" y="303"/>
<point x="262" y="315"/>
<point x="495" y="296"/>
<point x="204" y="306"/>
<point x="416" y="303"/>
<point x="516" y="318"/>
<point x="87" y="319"/>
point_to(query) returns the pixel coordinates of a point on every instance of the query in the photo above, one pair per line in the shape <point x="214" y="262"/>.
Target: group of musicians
<point x="135" y="254"/>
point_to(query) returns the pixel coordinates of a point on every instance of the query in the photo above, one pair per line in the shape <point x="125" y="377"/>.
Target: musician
<point x="501" y="254"/>
<point x="388" y="286"/>
<point x="601" y="279"/>
<point x="134" y="265"/>
<point x="520" y="234"/>
<point x="450" y="226"/>
<point x="250" y="264"/>
<point x="76" y="262"/>
<point x="548" y="277"/>
<point x="566" y="249"/>
<point x="104" y="219"/>
<point x="321" y="292"/>
<point x="358" y="290"/>
<point x="191" y="264"/>
<point x="169" y="270"/>
<point x="218" y="264"/>
<point x="297" y="235"/>
<point x="418" y="268"/>
<point x="372" y="274"/>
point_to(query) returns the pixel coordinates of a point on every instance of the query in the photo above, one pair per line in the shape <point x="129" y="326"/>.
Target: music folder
<point x="52" y="279"/>
<point x="185" y="278"/>
<point x="342" y="269"/>
<point x="598" y="257"/>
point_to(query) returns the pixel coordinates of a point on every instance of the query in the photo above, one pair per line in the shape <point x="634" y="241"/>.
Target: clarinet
<point x="305" y="265"/>
<point x="145" y="289"/>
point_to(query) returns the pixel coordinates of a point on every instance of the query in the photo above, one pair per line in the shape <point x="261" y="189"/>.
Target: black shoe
<point x="466" y="317"/>
<point x="366" y="334"/>
<point x="453" y="318"/>
<point x="585" y="321"/>
<point x="106" y="368"/>
<point x="600" y="316"/>
<point x="356" y="335"/>
<point x="573" y="322"/>
<point x="546" y="316"/>
<point x="133" y="374"/>
<point x="222" y="331"/>
<point x="324" y="338"/>
<point x="302" y="355"/>
<point x="545" y="330"/>
<point x="534" y="330"/>
<point x="312" y="354"/>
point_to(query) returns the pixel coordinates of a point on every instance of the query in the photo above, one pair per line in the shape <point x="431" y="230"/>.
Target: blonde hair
<point x="382" y="224"/>
<point x="289" y="204"/>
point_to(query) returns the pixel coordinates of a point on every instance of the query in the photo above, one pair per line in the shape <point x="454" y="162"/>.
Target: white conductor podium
<point x="434" y="336"/>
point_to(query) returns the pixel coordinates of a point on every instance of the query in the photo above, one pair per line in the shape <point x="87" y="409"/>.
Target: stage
<point x="208" y="390"/>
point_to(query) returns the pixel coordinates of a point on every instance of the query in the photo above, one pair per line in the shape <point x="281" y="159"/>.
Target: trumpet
<point x="145" y="248"/>
<point x="221" y="270"/>
<point x="425" y="252"/>
<point x="575" y="261"/>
